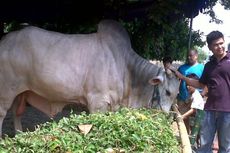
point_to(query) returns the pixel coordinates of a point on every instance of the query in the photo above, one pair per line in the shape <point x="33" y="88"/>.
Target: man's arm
<point x="189" y="81"/>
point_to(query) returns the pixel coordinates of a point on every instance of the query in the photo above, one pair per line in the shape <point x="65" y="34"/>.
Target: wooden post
<point x="186" y="146"/>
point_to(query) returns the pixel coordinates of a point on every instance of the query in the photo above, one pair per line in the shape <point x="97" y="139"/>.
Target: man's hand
<point x="177" y="73"/>
<point x="172" y="68"/>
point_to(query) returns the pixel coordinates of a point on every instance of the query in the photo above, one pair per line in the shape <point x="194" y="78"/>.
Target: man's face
<point x="192" y="57"/>
<point x="217" y="47"/>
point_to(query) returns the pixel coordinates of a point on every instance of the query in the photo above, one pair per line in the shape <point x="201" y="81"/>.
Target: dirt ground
<point x="33" y="117"/>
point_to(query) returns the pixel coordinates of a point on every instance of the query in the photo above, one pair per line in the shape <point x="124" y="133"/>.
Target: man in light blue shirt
<point x="191" y="67"/>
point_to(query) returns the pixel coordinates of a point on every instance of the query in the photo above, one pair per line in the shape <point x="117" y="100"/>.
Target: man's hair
<point x="213" y="36"/>
<point x="167" y="59"/>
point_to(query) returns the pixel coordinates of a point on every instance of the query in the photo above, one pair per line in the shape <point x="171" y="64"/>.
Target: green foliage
<point x="164" y="32"/>
<point x="11" y="26"/>
<point x="127" y="130"/>
<point x="154" y="39"/>
<point x="170" y="31"/>
<point x="202" y="55"/>
<point x="226" y="4"/>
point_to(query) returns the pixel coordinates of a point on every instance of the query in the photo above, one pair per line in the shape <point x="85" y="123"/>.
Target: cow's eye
<point x="168" y="93"/>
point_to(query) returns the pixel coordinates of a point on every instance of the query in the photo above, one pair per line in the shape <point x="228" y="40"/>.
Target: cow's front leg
<point x="5" y="104"/>
<point x="2" y="116"/>
<point x="18" y="109"/>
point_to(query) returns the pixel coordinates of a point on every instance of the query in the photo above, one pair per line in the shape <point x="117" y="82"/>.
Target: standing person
<point x="216" y="77"/>
<point x="192" y="66"/>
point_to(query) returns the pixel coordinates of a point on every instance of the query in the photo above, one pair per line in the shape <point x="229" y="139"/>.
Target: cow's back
<point x="51" y="63"/>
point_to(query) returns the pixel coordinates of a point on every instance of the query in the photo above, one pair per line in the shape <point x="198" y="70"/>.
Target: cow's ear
<point x="156" y="80"/>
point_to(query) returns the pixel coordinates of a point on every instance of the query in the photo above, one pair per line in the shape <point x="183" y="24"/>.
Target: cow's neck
<point x="142" y="67"/>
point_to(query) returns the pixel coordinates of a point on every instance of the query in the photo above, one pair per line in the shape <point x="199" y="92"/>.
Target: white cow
<point x="99" y="70"/>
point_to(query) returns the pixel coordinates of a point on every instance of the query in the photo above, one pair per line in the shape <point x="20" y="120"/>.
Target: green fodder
<point x="127" y="130"/>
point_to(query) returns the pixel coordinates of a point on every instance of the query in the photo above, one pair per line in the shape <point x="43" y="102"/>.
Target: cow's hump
<point x="114" y="28"/>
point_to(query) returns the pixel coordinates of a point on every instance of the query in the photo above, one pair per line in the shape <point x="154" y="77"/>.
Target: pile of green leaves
<point x="127" y="130"/>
